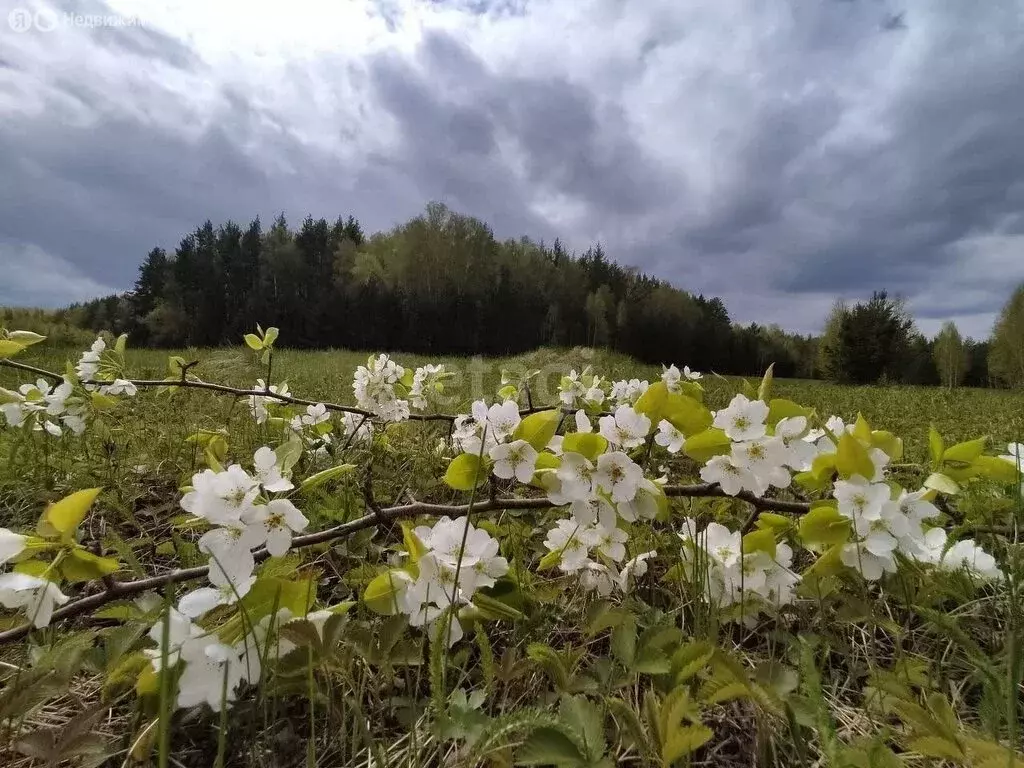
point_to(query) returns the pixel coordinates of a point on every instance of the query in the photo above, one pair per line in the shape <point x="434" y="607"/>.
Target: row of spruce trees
<point x="442" y="283"/>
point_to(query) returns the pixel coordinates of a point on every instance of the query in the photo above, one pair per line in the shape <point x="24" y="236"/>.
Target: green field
<point x="957" y="414"/>
<point x="561" y="659"/>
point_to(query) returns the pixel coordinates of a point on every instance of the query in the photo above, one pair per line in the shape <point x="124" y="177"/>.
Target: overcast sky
<point x="777" y="154"/>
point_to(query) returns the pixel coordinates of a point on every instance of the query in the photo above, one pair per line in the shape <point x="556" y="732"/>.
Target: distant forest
<point x="442" y="283"/>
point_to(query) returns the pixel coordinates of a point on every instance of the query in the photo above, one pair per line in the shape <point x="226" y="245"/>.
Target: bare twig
<point x="196" y="383"/>
<point x="32" y="369"/>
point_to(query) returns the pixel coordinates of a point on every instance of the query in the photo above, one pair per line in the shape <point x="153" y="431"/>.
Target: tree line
<point x="442" y="283"/>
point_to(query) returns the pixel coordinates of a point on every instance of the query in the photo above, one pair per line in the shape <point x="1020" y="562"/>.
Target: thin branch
<point x="32" y="369"/>
<point x="125" y="589"/>
<point x="239" y="392"/>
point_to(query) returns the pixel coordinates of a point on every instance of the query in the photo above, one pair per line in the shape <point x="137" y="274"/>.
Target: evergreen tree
<point x="874" y="338"/>
<point x="149" y="289"/>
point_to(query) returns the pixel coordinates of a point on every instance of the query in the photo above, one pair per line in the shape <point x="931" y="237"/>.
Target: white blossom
<point x="39" y="597"/>
<point x="732" y="479"/>
<point x="358" y="429"/>
<point x="598" y="577"/>
<point x="503" y="419"/>
<point x="276" y="521"/>
<point x="11" y="545"/>
<point x="743" y="419"/>
<point x="374" y="386"/>
<point x="633" y="569"/>
<point x="626" y="428"/>
<point x="267" y="472"/>
<point x="628" y="392"/>
<point x="516" y="459"/>
<point x="425" y="380"/>
<point x="618" y="475"/>
<point x="669" y="437"/>
<point x="221" y="498"/>
<point x="610" y="542"/>
<point x="572" y="541"/>
<point x="576" y="475"/>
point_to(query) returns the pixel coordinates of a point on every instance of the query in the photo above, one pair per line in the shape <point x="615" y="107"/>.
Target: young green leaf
<point x="538" y="428"/>
<point x="465" y="472"/>
<point x="63" y="517"/>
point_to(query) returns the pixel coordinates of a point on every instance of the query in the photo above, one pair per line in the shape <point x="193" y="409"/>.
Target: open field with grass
<point x="326" y="375"/>
<point x="693" y="659"/>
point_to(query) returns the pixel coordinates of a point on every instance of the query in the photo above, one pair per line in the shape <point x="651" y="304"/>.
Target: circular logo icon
<point x="46" y="20"/>
<point x="20" y="20"/>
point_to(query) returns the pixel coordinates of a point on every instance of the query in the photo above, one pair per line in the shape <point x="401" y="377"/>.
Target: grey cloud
<point x="846" y="153"/>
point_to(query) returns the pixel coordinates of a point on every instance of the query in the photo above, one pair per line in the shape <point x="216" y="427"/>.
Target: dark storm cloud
<point x="452" y="112"/>
<point x="776" y="158"/>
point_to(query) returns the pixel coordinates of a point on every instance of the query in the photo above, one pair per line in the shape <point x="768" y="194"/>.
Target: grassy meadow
<point x="326" y="375"/>
<point x="376" y="702"/>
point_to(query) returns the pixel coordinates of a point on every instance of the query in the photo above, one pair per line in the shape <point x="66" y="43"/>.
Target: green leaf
<point x="297" y="595"/>
<point x="381" y="594"/>
<point x="777" y="524"/>
<point x="653" y="402"/>
<point x="685" y="740"/>
<point x="253" y="341"/>
<point x="550" y="560"/>
<point x="63" y="517"/>
<point x="270" y="336"/>
<point x="628" y="723"/>
<point x="829" y="564"/>
<point x="888" y="443"/>
<point x="966" y="452"/>
<point x="102" y="402"/>
<point x="942" y="483"/>
<point x="538" y="428"/>
<point x="25" y="338"/>
<point x="686" y="414"/>
<point x="586" y="720"/>
<point x="413" y="546"/>
<point x="81" y="565"/>
<point x="852" y="458"/>
<point x="764" y="391"/>
<point x="707" y="444"/>
<point x="995" y="468"/>
<point x="465" y="472"/>
<point x="494" y="609"/>
<point x="779" y="409"/>
<point x="9" y="348"/>
<point x="936" y="447"/>
<point x="553" y="663"/>
<point x="325" y="476"/>
<point x="652" y="661"/>
<point x="288" y="453"/>
<point x="760" y="541"/>
<point x="690" y="659"/>
<point x="861" y="429"/>
<point x="692" y="390"/>
<point x="623" y="642"/>
<point x="548" y="746"/>
<point x="588" y="444"/>
<point x="824" y="527"/>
